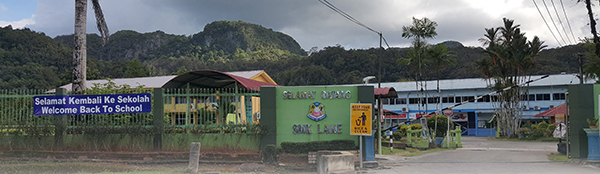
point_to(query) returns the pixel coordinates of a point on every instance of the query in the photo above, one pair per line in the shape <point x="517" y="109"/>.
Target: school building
<point x="475" y="116"/>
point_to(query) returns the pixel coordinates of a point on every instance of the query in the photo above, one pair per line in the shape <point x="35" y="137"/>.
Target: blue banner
<point x="92" y="104"/>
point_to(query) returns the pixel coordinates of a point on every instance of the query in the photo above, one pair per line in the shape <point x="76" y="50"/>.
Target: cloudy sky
<point x="310" y="22"/>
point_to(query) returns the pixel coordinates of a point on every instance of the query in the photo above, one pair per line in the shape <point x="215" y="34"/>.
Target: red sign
<point x="448" y="112"/>
<point x="401" y="116"/>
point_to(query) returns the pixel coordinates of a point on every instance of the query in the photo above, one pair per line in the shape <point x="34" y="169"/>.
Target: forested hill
<point x="219" y="37"/>
<point x="32" y="60"/>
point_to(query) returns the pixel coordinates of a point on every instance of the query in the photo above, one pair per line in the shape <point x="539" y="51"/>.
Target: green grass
<point x="410" y="152"/>
<point x="543" y="139"/>
<point x="558" y="157"/>
<point x="419" y="153"/>
<point x="386" y="151"/>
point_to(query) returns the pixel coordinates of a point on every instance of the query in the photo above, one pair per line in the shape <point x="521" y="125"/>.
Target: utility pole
<point x="379" y="115"/>
<point x="580" y="61"/>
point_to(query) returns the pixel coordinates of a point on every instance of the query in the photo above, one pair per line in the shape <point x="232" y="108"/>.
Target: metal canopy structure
<point x="213" y="79"/>
<point x="560" y="109"/>
<point x="388" y="92"/>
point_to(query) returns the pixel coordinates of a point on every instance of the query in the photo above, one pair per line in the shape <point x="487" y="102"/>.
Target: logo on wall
<point x="316" y="111"/>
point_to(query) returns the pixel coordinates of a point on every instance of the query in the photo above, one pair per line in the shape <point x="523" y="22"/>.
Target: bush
<point x="305" y="147"/>
<point x="403" y="128"/>
<point x="270" y="154"/>
<point x="442" y="125"/>
<point x="542" y="129"/>
<point x="550" y="130"/>
<point x="398" y="135"/>
<point x="524" y="131"/>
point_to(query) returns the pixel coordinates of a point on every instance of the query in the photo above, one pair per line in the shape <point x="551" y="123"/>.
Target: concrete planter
<point x="593" y="144"/>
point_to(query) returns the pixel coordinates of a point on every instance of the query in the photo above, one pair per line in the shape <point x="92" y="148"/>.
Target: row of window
<point x="458" y="99"/>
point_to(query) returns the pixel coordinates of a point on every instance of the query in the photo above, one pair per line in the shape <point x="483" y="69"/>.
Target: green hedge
<point x="305" y="147"/>
<point x="270" y="154"/>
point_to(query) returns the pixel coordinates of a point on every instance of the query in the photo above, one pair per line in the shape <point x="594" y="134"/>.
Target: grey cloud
<point x="308" y="21"/>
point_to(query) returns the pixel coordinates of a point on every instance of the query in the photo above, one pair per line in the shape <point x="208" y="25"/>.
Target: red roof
<point x="388" y="92"/>
<point x="213" y="79"/>
<point x="560" y="109"/>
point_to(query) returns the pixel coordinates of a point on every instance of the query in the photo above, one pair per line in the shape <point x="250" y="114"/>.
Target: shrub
<point x="524" y="131"/>
<point x="442" y="125"/>
<point x="403" y="128"/>
<point x="416" y="126"/>
<point x="398" y="135"/>
<point x="542" y="129"/>
<point x="550" y="130"/>
<point x="270" y="154"/>
<point x="305" y="147"/>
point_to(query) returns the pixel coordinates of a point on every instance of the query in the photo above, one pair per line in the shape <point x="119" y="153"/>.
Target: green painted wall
<point x="290" y="112"/>
<point x="583" y="105"/>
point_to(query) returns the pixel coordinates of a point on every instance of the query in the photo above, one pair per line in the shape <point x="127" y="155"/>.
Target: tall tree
<point x="420" y="30"/>
<point x="510" y="57"/>
<point x="588" y="6"/>
<point x="80" y="47"/>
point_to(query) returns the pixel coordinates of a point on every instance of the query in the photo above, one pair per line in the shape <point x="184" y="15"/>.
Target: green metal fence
<point x="184" y="111"/>
<point x="16" y="113"/>
<point x="209" y="106"/>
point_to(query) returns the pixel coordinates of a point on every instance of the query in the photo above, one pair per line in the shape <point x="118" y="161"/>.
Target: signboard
<point x="92" y="104"/>
<point x="458" y="117"/>
<point x="448" y="112"/>
<point x="415" y="115"/>
<point x="399" y="116"/>
<point x="360" y="119"/>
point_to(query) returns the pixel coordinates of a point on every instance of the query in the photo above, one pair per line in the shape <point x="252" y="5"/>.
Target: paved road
<point x="480" y="155"/>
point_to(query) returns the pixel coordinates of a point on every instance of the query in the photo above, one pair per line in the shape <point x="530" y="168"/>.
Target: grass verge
<point x="410" y="152"/>
<point x="424" y="152"/>
<point x="543" y="139"/>
<point x="558" y="157"/>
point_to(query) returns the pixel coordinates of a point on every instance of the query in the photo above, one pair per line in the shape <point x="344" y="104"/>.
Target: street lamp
<point x="366" y="79"/>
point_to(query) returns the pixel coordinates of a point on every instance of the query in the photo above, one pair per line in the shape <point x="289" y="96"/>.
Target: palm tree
<point x="80" y="49"/>
<point x="440" y="58"/>
<point x="510" y="56"/>
<point x="420" y="30"/>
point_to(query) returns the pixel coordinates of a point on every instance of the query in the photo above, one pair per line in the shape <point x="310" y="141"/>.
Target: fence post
<point x="158" y="112"/>
<point x="59" y="123"/>
<point x="194" y="157"/>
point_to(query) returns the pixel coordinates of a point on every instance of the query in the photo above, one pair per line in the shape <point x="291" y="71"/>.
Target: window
<point x="558" y="96"/>
<point x="481" y="124"/>
<point x="400" y="101"/>
<point x="531" y="97"/>
<point x="494" y="98"/>
<point x="413" y="101"/>
<point x="540" y="97"/>
<point x="385" y="101"/>
<point x="485" y="98"/>
<point x="448" y="100"/>
<point x="433" y="100"/>
<point x="468" y="98"/>
<point x="458" y="99"/>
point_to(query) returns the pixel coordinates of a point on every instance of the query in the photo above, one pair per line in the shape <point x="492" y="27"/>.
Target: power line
<point x="352" y="19"/>
<point x="536" y="6"/>
<point x="347" y="16"/>
<point x="560" y="22"/>
<point x="569" y="23"/>
<point x="553" y="23"/>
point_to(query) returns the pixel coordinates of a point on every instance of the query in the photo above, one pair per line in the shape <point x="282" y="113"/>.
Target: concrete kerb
<point x="335" y="162"/>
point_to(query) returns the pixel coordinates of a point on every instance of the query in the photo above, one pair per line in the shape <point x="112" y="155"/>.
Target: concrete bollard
<point x="194" y="157"/>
